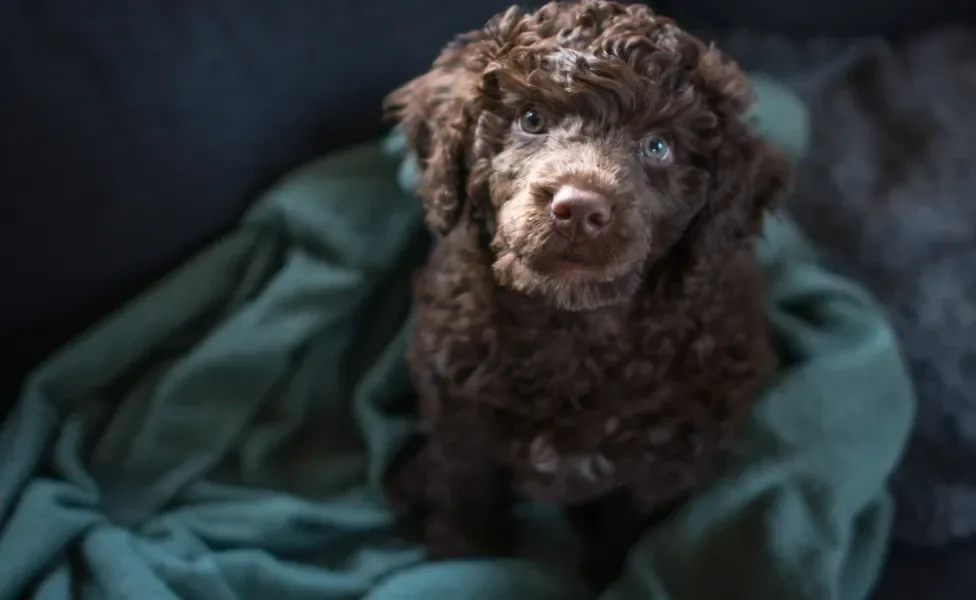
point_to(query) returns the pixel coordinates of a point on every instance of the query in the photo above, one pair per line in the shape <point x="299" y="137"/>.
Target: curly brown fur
<point x="604" y="373"/>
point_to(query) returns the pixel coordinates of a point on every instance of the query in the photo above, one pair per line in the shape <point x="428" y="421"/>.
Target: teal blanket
<point x="223" y="437"/>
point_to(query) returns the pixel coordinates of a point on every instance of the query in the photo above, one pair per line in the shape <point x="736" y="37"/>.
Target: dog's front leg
<point x="608" y="528"/>
<point x="468" y="495"/>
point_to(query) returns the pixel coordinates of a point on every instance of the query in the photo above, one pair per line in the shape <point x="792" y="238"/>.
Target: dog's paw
<point x="546" y="460"/>
<point x="543" y="456"/>
<point x="451" y="539"/>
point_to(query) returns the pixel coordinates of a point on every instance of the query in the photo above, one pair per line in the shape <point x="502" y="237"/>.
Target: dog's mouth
<point x="566" y="275"/>
<point x="568" y="284"/>
<point x="581" y="271"/>
<point x="572" y="268"/>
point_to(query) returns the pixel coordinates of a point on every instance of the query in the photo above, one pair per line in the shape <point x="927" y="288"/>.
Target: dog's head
<point x="591" y="139"/>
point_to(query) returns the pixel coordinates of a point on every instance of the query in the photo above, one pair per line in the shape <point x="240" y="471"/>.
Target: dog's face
<point x="586" y="138"/>
<point x="586" y="182"/>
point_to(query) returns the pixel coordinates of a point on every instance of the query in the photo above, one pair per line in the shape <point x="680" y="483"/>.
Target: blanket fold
<point x="223" y="436"/>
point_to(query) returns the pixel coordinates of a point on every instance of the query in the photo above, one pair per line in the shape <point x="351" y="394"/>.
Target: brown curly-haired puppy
<point x="590" y="325"/>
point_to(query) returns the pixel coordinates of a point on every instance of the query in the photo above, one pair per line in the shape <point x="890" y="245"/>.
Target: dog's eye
<point x="532" y="122"/>
<point x="655" y="149"/>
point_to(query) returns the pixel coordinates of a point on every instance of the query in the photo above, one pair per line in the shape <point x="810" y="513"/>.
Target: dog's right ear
<point x="437" y="113"/>
<point x="432" y="114"/>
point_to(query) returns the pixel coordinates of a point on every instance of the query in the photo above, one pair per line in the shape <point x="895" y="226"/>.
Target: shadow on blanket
<point x="223" y="436"/>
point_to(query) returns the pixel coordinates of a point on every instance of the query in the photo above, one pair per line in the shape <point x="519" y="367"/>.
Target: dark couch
<point x="134" y="132"/>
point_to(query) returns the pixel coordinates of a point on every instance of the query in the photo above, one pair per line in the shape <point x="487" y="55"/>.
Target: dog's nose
<point x="580" y="211"/>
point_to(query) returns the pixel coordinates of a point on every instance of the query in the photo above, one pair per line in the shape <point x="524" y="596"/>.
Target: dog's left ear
<point x="754" y="174"/>
<point x="759" y="175"/>
<point x="430" y="111"/>
<point x="437" y="113"/>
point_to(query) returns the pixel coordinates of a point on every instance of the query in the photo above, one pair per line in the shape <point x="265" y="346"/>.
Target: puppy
<point x="590" y="325"/>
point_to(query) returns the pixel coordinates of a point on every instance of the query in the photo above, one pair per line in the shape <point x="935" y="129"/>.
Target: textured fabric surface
<point x="888" y="195"/>
<point x="223" y="436"/>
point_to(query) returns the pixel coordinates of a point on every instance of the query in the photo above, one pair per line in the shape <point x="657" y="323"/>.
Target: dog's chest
<point x="581" y="362"/>
<point x="568" y="397"/>
<point x="569" y="359"/>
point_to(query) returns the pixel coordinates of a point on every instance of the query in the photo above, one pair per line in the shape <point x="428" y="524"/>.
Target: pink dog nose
<point x="580" y="211"/>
